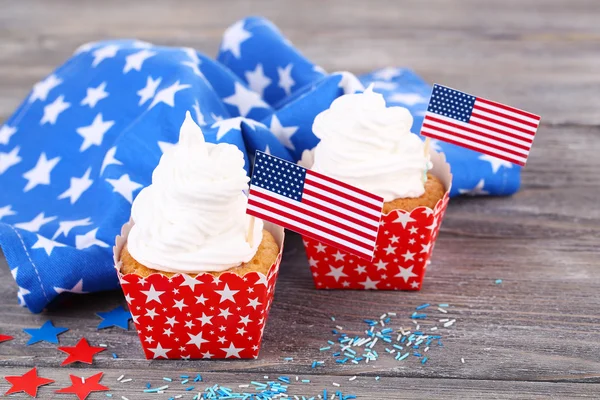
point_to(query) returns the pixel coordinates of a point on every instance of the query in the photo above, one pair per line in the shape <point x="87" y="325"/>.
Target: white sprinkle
<point x="124" y="398"/>
<point x="444" y="320"/>
<point x="382" y="323"/>
<point x="160" y="392"/>
<point x="415" y="321"/>
<point x="103" y="345"/>
<point x="383" y="316"/>
<point x="339" y="327"/>
<point x="392" y="314"/>
<point x="418" y="327"/>
<point x="244" y="386"/>
<point x="296" y="378"/>
<point x="440" y="309"/>
<point x="353" y="378"/>
<point x="332" y="396"/>
<point x="266" y="376"/>
<point x="462" y="360"/>
<point x="449" y="323"/>
<point x="434" y="328"/>
<point x="126" y="380"/>
<point x="178" y="396"/>
<point x="426" y="349"/>
<point x="372" y="343"/>
<point x="82" y="379"/>
<point x="393" y="351"/>
<point x="121" y="377"/>
<point x="335" y="384"/>
<point x="399" y="337"/>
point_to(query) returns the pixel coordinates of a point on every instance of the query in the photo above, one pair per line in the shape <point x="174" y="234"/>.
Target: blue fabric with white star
<point x="78" y="150"/>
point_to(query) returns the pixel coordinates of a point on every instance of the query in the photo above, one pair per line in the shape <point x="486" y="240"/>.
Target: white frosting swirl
<point x="192" y="218"/>
<point x="366" y="144"/>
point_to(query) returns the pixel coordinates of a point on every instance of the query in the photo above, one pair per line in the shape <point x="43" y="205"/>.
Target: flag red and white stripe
<point x="482" y="125"/>
<point x="328" y="210"/>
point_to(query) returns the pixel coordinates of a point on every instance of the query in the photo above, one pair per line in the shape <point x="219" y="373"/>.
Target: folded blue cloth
<point x="77" y="151"/>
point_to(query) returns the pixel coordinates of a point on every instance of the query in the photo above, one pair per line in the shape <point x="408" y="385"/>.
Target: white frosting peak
<point x="192" y="218"/>
<point x="366" y="144"/>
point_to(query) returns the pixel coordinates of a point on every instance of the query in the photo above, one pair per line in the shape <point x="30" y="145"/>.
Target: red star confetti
<point x="28" y="383"/>
<point x="82" y="352"/>
<point x="82" y="387"/>
<point x="5" y="338"/>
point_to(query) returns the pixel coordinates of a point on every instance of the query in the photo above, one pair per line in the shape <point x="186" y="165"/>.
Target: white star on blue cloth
<point x="85" y="141"/>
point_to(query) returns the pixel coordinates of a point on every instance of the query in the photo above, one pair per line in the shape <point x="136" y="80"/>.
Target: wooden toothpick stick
<point x="250" y="237"/>
<point x="427" y="144"/>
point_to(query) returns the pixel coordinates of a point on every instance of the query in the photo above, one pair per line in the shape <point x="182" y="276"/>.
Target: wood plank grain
<point x="540" y="326"/>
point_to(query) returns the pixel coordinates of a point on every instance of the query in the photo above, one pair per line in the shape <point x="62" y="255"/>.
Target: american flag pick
<point x="478" y="124"/>
<point x="314" y="205"/>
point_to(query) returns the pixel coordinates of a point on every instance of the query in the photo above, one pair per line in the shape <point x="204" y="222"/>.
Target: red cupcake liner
<point x="203" y="317"/>
<point x="403" y="249"/>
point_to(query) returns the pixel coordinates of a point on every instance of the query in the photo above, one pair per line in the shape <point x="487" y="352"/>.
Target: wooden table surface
<point x="536" y="335"/>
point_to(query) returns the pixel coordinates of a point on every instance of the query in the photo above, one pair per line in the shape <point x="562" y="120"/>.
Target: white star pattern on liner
<point x="390" y="249"/>
<point x="94" y="134"/>
<point x="94" y="95"/>
<point x="410" y="99"/>
<point x="196" y="339"/>
<point x="78" y="288"/>
<point x="495" y="163"/>
<point x="159" y="351"/>
<point x="257" y="81"/>
<point x="35" y="224"/>
<point x="109" y="159"/>
<point x="124" y="186"/>
<point x="103" y="53"/>
<point x="78" y="186"/>
<point x="408" y="256"/>
<point x="6" y="211"/>
<point x="136" y="60"/>
<point x="312" y="262"/>
<point x="320" y="248"/>
<point x="225" y="313"/>
<point x="42" y="89"/>
<point x="406" y="273"/>
<point x="205" y="319"/>
<point x="40" y="174"/>
<point x="415" y="285"/>
<point x="234" y="36"/>
<point x="6" y="132"/>
<point x="244" y="100"/>
<point x="65" y="227"/>
<point x="8" y="160"/>
<point x="336" y="273"/>
<point x="475" y="191"/>
<point x="152" y="295"/>
<point x="53" y="110"/>
<point x="254" y="303"/>
<point x="361" y="269"/>
<point x="46" y="244"/>
<point x="387" y="74"/>
<point x="369" y="284"/>
<point x="245" y="320"/>
<point x="232" y="351"/>
<point x="89" y="240"/>
<point x="167" y="95"/>
<point x="380" y="265"/>
<point x="286" y="82"/>
<point x="190" y="282"/>
<point x="403" y="218"/>
<point x="283" y="134"/>
<point x="148" y="91"/>
<point x="226" y="294"/>
<point x="179" y="304"/>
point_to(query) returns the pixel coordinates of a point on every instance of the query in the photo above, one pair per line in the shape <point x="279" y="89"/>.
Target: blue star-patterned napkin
<point x="85" y="141"/>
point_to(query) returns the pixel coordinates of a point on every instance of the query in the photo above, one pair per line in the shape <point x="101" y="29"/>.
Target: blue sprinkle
<point x="498" y="281"/>
<point x="115" y="355"/>
<point x="325" y="348"/>
<point x="189" y="389"/>
<point x="288" y="359"/>
<point x="377" y="378"/>
<point x="424" y="360"/>
<point x="167" y="379"/>
<point x="333" y="319"/>
<point x="305" y="380"/>
<point x="183" y="382"/>
<point x="422" y="306"/>
<point x="148" y="385"/>
<point x="443" y="305"/>
<point x="417" y="354"/>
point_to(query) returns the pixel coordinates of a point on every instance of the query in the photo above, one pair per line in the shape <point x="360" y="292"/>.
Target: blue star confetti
<point x="118" y="317"/>
<point x="47" y="333"/>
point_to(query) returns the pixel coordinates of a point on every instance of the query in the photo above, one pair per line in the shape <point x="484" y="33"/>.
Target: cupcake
<point x="370" y="146"/>
<point x="197" y="272"/>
